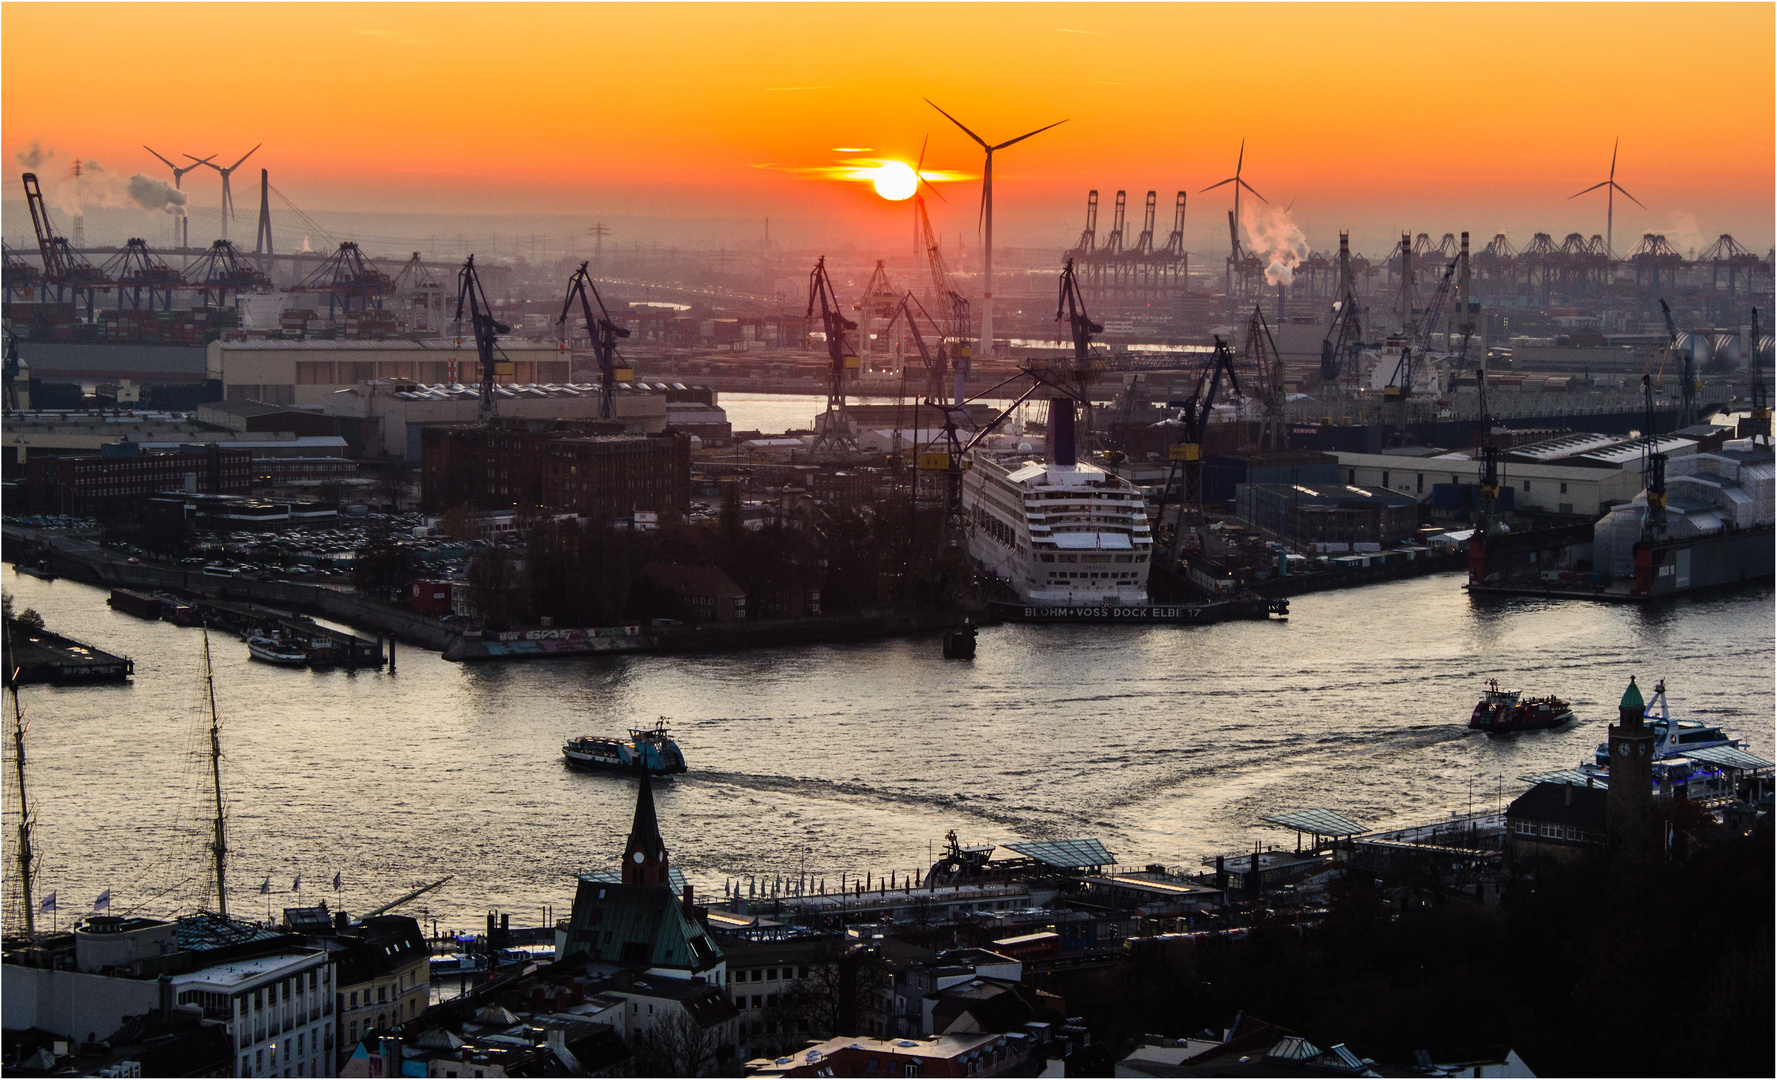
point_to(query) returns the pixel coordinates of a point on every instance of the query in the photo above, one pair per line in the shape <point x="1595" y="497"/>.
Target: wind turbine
<point x="1238" y="183"/>
<point x="227" y="197"/>
<point x="1612" y="187"/>
<point x="987" y="219"/>
<point x="178" y="176"/>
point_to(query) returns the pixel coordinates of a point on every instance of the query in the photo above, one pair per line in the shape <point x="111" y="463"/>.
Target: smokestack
<point x="690" y="904"/>
<point x="1280" y="303"/>
<point x="1060" y="438"/>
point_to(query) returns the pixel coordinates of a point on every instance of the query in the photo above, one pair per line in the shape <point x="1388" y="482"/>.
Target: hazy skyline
<point x="1373" y="118"/>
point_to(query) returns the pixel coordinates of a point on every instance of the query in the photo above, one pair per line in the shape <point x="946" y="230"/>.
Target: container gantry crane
<point x="1187" y="456"/>
<point x="486" y="329"/>
<point x="604" y="334"/>
<point x="835" y="434"/>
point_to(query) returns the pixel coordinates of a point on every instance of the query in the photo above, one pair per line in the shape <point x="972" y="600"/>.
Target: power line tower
<point x="598" y="230"/>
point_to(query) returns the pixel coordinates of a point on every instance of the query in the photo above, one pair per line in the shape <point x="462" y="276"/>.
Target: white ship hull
<point x="1058" y="535"/>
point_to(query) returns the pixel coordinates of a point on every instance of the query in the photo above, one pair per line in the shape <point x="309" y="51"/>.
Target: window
<point x="1563" y="489"/>
<point x="354" y="999"/>
<point x="1526" y="485"/>
<point x="1384" y="477"/>
<point x="1421" y="483"/>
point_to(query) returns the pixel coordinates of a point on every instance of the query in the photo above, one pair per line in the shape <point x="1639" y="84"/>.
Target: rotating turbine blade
<point x="1212" y="187"/>
<point x="1594" y="187"/>
<point x="1628" y="196"/>
<point x="959" y="124"/>
<point x="164" y="161"/>
<point x="1256" y="195"/>
<point x="1028" y="134"/>
<point x="244" y="157"/>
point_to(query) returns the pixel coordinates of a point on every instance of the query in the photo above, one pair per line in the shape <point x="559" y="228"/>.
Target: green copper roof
<point x="1632" y="697"/>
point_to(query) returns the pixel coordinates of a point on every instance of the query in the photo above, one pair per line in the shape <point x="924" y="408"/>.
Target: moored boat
<point x="649" y="750"/>
<point x="271" y="650"/>
<point x="1509" y="710"/>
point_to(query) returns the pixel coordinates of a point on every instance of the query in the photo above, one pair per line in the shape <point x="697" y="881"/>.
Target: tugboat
<point x="650" y="750"/>
<point x="959" y="642"/>
<point x="1508" y="710"/>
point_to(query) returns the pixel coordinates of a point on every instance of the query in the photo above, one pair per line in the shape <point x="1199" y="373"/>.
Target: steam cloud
<point x="152" y="194"/>
<point x="1683" y="232"/>
<point x="33" y="156"/>
<point x="1275" y="238"/>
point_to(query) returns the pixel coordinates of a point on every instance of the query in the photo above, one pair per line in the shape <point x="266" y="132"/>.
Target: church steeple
<point x="644" y="857"/>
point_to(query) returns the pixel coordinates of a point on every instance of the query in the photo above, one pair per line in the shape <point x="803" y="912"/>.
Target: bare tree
<point x="677" y="1045"/>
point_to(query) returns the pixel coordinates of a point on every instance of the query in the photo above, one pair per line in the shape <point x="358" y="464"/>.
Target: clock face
<point x="637" y="856"/>
<point x="1623" y="749"/>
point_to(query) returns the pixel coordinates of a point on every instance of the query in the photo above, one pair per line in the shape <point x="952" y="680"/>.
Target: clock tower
<point x="1631" y="772"/>
<point x="644" y="857"/>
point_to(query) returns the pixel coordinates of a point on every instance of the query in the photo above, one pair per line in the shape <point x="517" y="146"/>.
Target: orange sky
<point x="1434" y="118"/>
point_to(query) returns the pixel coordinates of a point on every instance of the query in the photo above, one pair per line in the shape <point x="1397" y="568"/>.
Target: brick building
<point x="557" y="466"/>
<point x="109" y="483"/>
<point x="706" y="591"/>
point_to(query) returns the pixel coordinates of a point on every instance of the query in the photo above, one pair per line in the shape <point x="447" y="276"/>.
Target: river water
<point x="1167" y="743"/>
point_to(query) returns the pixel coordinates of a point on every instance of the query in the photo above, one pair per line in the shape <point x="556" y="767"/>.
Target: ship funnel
<point x="1059" y="442"/>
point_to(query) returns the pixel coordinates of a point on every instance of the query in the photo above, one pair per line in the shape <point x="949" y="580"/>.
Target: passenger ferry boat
<point x="1509" y="710"/>
<point x="1675" y="737"/>
<point x="1059" y="532"/>
<point x="647" y="749"/>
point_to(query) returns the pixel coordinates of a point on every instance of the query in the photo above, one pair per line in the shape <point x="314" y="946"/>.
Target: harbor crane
<point x="1760" y="420"/>
<point x="487" y="329"/>
<point x="1418" y="341"/>
<point x="1653" y="469"/>
<point x="1344" y="340"/>
<point x="604" y="334"/>
<point x="949" y="460"/>
<point x="1267" y="364"/>
<point x="1687" y="389"/>
<point x="1187" y="456"/>
<point x="835" y="434"/>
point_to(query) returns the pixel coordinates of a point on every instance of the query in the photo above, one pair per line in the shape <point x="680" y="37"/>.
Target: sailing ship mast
<point x="220" y="844"/>
<point x="25" y="855"/>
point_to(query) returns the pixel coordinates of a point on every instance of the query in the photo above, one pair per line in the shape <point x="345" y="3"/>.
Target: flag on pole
<point x="336" y="880"/>
<point x="103" y="903"/>
<point x="265" y="886"/>
<point x="48" y="903"/>
<point x="296" y="886"/>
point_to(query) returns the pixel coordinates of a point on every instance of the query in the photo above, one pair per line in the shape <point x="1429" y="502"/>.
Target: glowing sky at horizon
<point x="1371" y="117"/>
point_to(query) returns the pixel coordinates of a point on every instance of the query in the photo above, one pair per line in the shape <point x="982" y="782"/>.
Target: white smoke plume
<point x="96" y="186"/>
<point x="1273" y="237"/>
<point x="1684" y="234"/>
<point x="158" y="195"/>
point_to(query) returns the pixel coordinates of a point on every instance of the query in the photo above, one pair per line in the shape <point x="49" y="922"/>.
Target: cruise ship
<point x="1058" y="531"/>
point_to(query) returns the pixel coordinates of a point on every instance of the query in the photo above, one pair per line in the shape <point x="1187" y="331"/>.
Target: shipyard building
<point x="582" y="469"/>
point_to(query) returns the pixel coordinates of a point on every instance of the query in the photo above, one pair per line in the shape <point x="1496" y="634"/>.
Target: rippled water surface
<point x="1168" y="743"/>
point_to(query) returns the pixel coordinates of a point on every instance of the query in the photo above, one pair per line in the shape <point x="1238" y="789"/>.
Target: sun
<point x="895" y="180"/>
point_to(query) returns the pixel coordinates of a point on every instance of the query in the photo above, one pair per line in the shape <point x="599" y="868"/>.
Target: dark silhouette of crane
<point x="604" y="334"/>
<point x="835" y="433"/>
<point x="486" y="329"/>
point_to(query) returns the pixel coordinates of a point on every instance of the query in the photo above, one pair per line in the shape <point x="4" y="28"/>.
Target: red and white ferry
<point x="1509" y="710"/>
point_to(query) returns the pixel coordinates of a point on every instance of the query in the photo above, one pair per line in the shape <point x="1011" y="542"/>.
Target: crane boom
<point x="487" y="329"/>
<point x="835" y="431"/>
<point x="604" y="334"/>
